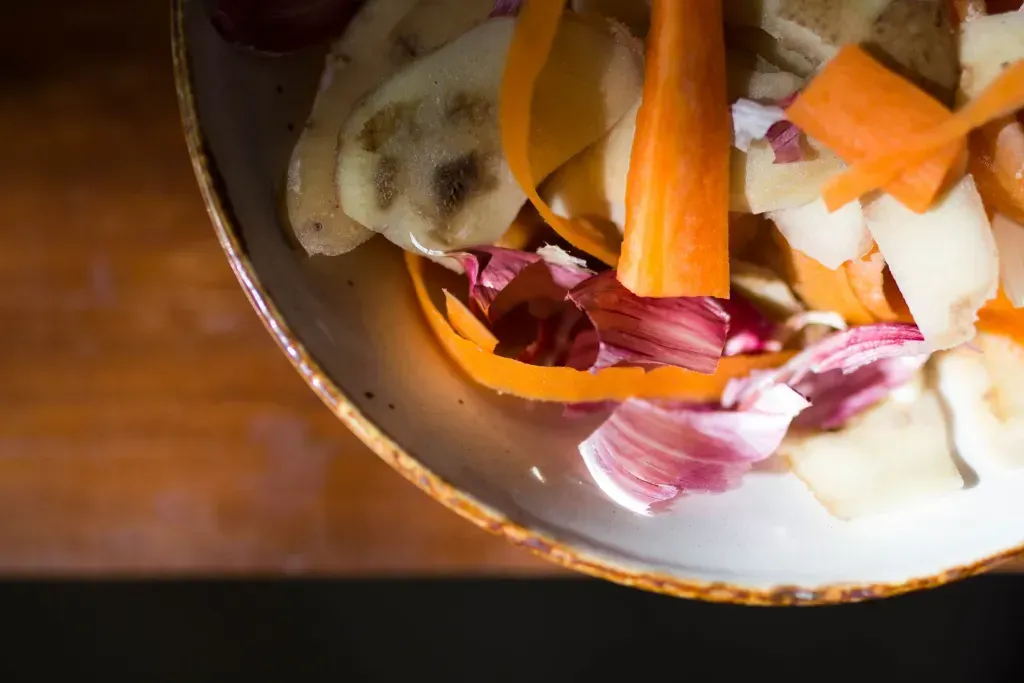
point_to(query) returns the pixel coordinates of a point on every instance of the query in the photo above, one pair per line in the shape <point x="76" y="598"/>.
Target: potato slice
<point x="831" y="239"/>
<point x="759" y="185"/>
<point x="983" y="389"/>
<point x="382" y="37"/>
<point x="944" y="260"/>
<point x="420" y="160"/>
<point x="593" y="184"/>
<point x="987" y="46"/>
<point x="894" y="455"/>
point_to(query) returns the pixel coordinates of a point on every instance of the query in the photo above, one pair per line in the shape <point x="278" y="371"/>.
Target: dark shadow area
<point x="571" y="630"/>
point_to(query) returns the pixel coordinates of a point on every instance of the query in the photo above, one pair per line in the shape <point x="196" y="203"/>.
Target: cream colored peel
<point x="421" y="160"/>
<point x="383" y="36"/>
<point x="892" y="456"/>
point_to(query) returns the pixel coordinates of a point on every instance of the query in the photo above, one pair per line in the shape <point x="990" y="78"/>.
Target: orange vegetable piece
<point x="1003" y="97"/>
<point x="999" y="316"/>
<point x="566" y="385"/>
<point x="821" y="288"/>
<point x="677" y="194"/>
<point x="860" y="109"/>
<point x="468" y="325"/>
<point x="872" y="285"/>
<point x="531" y="44"/>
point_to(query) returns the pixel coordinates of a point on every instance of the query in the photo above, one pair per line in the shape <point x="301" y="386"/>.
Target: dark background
<point x="571" y="630"/>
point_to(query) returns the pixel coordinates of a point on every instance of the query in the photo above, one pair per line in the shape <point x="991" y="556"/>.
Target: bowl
<point x="352" y="329"/>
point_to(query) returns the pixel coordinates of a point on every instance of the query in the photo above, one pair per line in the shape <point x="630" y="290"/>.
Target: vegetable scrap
<point x="676" y="239"/>
<point x="735" y="235"/>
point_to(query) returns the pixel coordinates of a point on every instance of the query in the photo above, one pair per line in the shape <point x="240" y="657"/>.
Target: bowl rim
<point x="212" y="188"/>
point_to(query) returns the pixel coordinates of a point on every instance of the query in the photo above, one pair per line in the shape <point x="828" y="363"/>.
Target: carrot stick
<point x="677" y="194"/>
<point x="566" y="385"/>
<point x="878" y="293"/>
<point x="1000" y="99"/>
<point x="531" y="44"/>
<point x="860" y="109"/>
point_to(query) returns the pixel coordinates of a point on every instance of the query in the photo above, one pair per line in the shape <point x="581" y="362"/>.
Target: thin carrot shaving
<point x="821" y="288"/>
<point x="531" y="44"/>
<point x="878" y="293"/>
<point x="567" y="385"/>
<point x="1004" y="96"/>
<point x="999" y="316"/>
<point x="1007" y="324"/>
<point x="677" y="194"/>
<point x="468" y="325"/>
<point x="860" y="109"/>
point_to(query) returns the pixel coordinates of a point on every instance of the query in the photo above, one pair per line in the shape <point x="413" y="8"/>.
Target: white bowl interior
<point x="356" y="315"/>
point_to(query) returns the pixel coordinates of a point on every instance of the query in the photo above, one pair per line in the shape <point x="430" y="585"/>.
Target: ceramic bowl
<point x="352" y="329"/>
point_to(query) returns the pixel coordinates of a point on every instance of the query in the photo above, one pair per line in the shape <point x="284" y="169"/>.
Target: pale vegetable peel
<point x="895" y="455"/>
<point x="944" y="261"/>
<point x="987" y="46"/>
<point x="982" y="390"/>
<point x="383" y="37"/>
<point x="831" y="238"/>
<point x="423" y="164"/>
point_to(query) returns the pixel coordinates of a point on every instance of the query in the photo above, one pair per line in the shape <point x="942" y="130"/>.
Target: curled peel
<point x="567" y="385"/>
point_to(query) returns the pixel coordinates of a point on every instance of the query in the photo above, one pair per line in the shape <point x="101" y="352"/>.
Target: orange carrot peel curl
<point x="472" y="351"/>
<point x="860" y="109"/>
<point x="1003" y="97"/>
<point x="821" y="288"/>
<point x="534" y="35"/>
<point x="878" y="293"/>
<point x="677" y="193"/>
<point x="1000" y="317"/>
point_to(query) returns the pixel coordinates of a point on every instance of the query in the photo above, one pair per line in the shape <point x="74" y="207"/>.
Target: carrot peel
<point x="531" y="45"/>
<point x="860" y="109"/>
<point x="1003" y="97"/>
<point x="567" y="385"/>
<point x="468" y="325"/>
<point x="677" y="193"/>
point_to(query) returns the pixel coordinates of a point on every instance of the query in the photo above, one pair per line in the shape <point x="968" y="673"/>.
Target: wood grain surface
<point x="149" y="424"/>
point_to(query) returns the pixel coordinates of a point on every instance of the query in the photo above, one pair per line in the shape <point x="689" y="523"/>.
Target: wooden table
<point x="149" y="424"/>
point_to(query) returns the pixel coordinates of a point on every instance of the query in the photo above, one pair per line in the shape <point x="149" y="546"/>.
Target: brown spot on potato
<point x="385" y="123"/>
<point x="384" y="181"/>
<point x="455" y="181"/>
<point x="404" y="48"/>
<point x="465" y="108"/>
